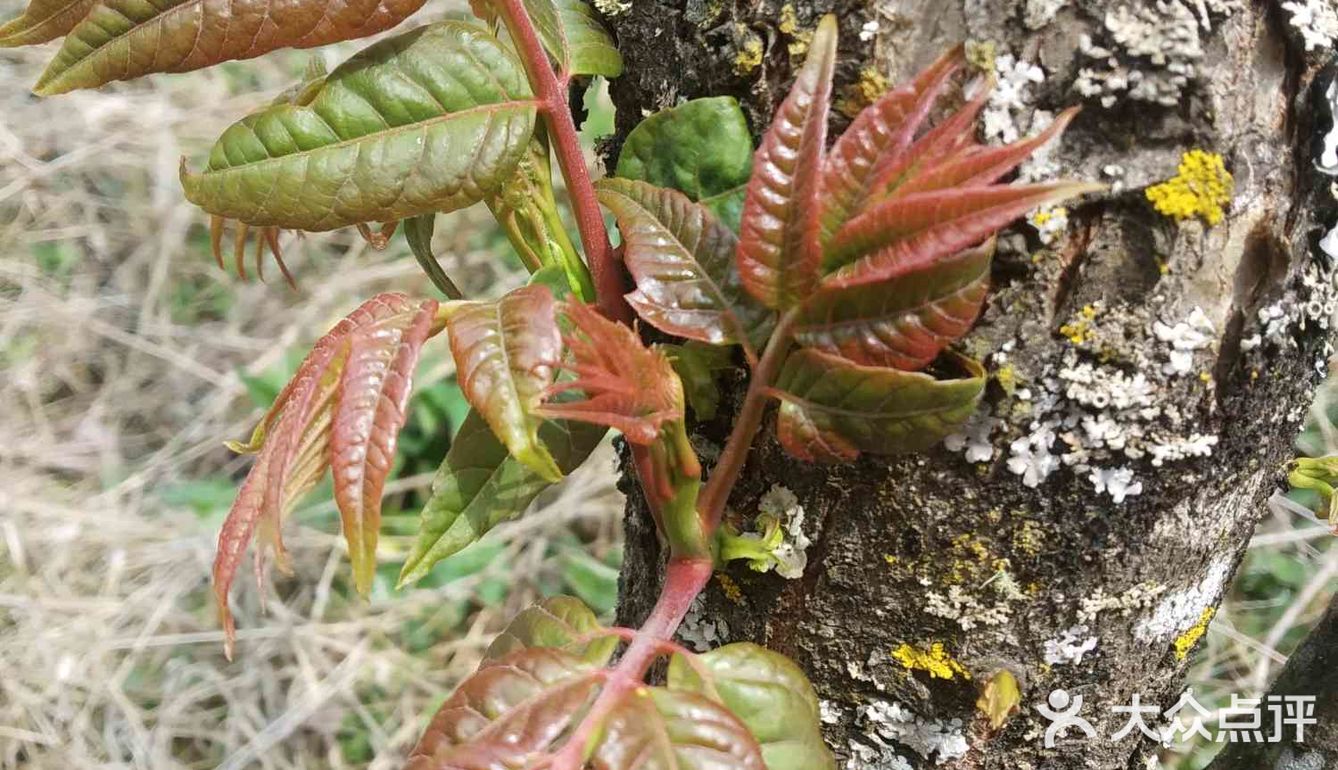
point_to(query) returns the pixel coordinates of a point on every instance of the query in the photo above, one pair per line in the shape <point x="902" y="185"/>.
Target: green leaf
<point x="431" y="120"/>
<point x="43" y="20"/>
<point x="418" y="234"/>
<point x="479" y="485"/>
<point x="701" y="148"/>
<point x="507" y="352"/>
<point x="575" y="38"/>
<point x="778" y="232"/>
<point x="591" y="579"/>
<point x="654" y="728"/>
<point x="699" y="366"/>
<point x="508" y="711"/>
<point x="560" y="622"/>
<point x="682" y="260"/>
<point x="833" y="409"/>
<point x="124" y="39"/>
<point x="769" y="694"/>
<point x="728" y="206"/>
<point x="902" y="323"/>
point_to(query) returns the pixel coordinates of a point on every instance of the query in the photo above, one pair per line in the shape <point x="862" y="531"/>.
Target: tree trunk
<point x="1059" y="582"/>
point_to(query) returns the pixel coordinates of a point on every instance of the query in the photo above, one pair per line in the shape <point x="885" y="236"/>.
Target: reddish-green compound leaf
<point x="43" y="20"/>
<point x="625" y="385"/>
<point x="769" y="694"/>
<point x="124" y="39"/>
<point x="902" y="323"/>
<point x="340" y="404"/>
<point x="653" y="728"/>
<point x="508" y="713"/>
<point x="878" y="138"/>
<point x="480" y="485"/>
<point x="368" y="417"/>
<point x="431" y="120"/>
<point x="979" y="164"/>
<point x="833" y="409"/>
<point x="682" y="259"/>
<point x="563" y="622"/>
<point x="573" y="35"/>
<point x="701" y="148"/>
<point x="907" y="233"/>
<point x="778" y="251"/>
<point x="507" y="352"/>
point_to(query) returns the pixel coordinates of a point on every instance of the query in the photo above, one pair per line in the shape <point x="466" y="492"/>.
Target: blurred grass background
<point x="126" y="358"/>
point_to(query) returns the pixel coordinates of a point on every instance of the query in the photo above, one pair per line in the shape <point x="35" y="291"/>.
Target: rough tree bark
<point x="936" y="549"/>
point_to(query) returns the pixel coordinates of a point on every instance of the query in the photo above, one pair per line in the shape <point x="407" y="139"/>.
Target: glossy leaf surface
<point x="573" y="35"/>
<point x="562" y="622"/>
<point x="877" y="138"/>
<point x="682" y="260"/>
<point x="510" y="711"/>
<point x="778" y="252"/>
<point x="701" y="148"/>
<point x="368" y="415"/>
<point x="430" y="120"/>
<point x="343" y="408"/>
<point x="623" y="384"/>
<point x="832" y="409"/>
<point x="769" y="694"/>
<point x="480" y="485"/>
<point x="907" y="233"/>
<point x="655" y="728"/>
<point x="124" y="39"/>
<point x="507" y="352"/>
<point x="902" y="323"/>
<point x="43" y="20"/>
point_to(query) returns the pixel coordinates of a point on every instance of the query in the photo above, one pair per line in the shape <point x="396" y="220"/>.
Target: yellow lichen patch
<point x="935" y="661"/>
<point x="1077" y="330"/>
<point x="731" y="589"/>
<point x="981" y="55"/>
<point x="750" y="50"/>
<point x="1028" y="539"/>
<point x="1202" y="187"/>
<point x="789" y="21"/>
<point x="1006" y="376"/>
<point x="871" y="85"/>
<point x="1187" y="640"/>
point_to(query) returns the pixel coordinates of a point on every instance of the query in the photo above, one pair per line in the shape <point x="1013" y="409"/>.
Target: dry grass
<point x="122" y="349"/>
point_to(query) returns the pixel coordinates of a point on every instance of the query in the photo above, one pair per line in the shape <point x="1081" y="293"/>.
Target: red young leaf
<point x="508" y="713"/>
<point x="902" y="323"/>
<point x="626" y="385"/>
<point x="682" y="259"/>
<point x="654" y="728"/>
<point x="368" y="417"/>
<point x="877" y="138"/>
<point x="904" y="234"/>
<point x="356" y="376"/>
<point x="778" y="254"/>
<point x="507" y="352"/>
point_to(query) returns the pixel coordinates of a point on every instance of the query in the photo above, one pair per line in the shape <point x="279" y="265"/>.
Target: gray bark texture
<point x="936" y="549"/>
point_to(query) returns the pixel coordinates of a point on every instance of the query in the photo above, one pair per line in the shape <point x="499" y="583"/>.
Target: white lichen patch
<point x="613" y="7"/>
<point x="973" y="439"/>
<point x="700" y="630"/>
<point x="1176" y="612"/>
<point x="967" y="609"/>
<point x="1119" y="483"/>
<point x="792" y="554"/>
<point x="1050" y="222"/>
<point x="829" y="713"/>
<point x="1316" y="20"/>
<point x="1011" y="101"/>
<point x="878" y="756"/>
<point x="1030" y="456"/>
<point x="1185" y="337"/>
<point x="1070" y="647"/>
<point x="932" y="739"/>
<point x="1195" y="445"/>
<point x="1141" y="596"/>
<point x="1036" y="14"/>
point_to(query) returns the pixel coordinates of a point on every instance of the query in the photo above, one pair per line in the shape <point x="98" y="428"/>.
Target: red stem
<point x="551" y="91"/>
<point x="715" y="493"/>
<point x="683" y="580"/>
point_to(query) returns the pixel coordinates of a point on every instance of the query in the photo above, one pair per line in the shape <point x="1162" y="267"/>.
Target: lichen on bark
<point x="1115" y="303"/>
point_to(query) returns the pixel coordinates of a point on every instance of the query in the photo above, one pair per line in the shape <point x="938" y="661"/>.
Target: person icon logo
<point x="1063" y="712"/>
